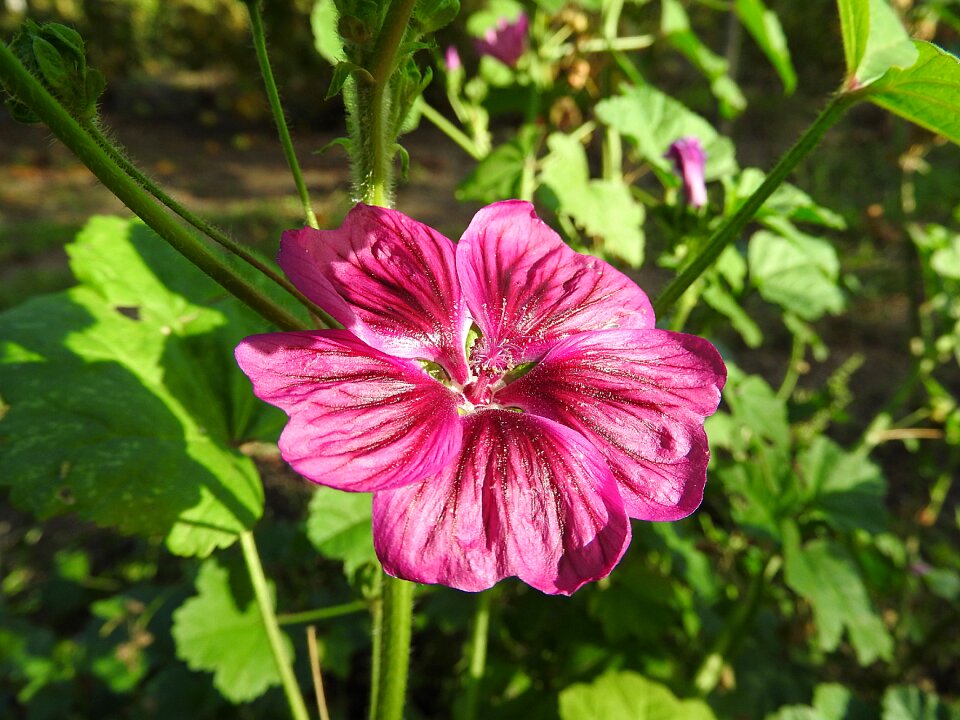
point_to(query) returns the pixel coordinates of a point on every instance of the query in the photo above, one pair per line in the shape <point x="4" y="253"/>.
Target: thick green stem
<point x="273" y="95"/>
<point x="298" y="709"/>
<point x="394" y="648"/>
<point x="212" y="232"/>
<point x="32" y="93"/>
<point x="478" y="653"/>
<point x="731" y="228"/>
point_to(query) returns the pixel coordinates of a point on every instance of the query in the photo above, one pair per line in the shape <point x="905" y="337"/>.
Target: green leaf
<point x="117" y="395"/>
<point x="823" y="573"/>
<point x="926" y="93"/>
<point x="764" y="26"/>
<point x="499" y="174"/>
<point x="220" y="630"/>
<point x="717" y="297"/>
<point x="604" y="209"/>
<point x="431" y="15"/>
<point x="874" y="39"/>
<point x="326" y="36"/>
<point x="675" y="26"/>
<point x="796" y="271"/>
<point x="339" y="527"/>
<point x="653" y="121"/>
<point x="787" y="201"/>
<point x="628" y="696"/>
<point x="846" y="489"/>
<point x="903" y="702"/>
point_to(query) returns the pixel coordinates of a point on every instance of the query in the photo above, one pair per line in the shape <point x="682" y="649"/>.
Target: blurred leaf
<point x="902" y="702"/>
<point x="758" y="412"/>
<point x="764" y="26"/>
<point x="787" y="201"/>
<point x="675" y="26"/>
<point x="823" y="573"/>
<point x="628" y="696"/>
<point x="874" y="39"/>
<point x="118" y="391"/>
<point x="847" y="490"/>
<point x="726" y="304"/>
<point x="326" y="37"/>
<point x="798" y="272"/>
<point x="217" y="632"/>
<point x="943" y="583"/>
<point x="431" y="15"/>
<point x="605" y="209"/>
<point x="927" y="93"/>
<point x="653" y="121"/>
<point x="339" y="527"/>
<point x="499" y="174"/>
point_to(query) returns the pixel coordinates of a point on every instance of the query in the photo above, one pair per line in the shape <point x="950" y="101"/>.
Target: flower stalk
<point x="298" y="708"/>
<point x="731" y="228"/>
<point x="31" y="92"/>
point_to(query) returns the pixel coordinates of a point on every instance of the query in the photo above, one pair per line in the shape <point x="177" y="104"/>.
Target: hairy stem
<point x="478" y="653"/>
<point x="298" y="709"/>
<point x="731" y="228"/>
<point x="273" y="95"/>
<point x="31" y="92"/>
<point x="394" y="648"/>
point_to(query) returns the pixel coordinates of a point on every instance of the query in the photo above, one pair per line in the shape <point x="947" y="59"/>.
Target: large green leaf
<point x="123" y="399"/>
<point x="628" y="696"/>
<point x="339" y="527"/>
<point x="874" y="39"/>
<point x="796" y="271"/>
<point x="927" y="92"/>
<point x="653" y="121"/>
<point x="903" y="702"/>
<point x="605" y="209"/>
<point x="220" y="630"/>
<point x="764" y="26"/>
<point x="846" y="489"/>
<point x="827" y="577"/>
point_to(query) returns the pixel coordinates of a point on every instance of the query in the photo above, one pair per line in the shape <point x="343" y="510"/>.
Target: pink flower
<point x="483" y="467"/>
<point x="507" y="41"/>
<point x="689" y="160"/>
<point x="451" y="58"/>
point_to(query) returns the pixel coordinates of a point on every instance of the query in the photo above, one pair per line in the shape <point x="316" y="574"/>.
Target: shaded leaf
<point x="764" y="26"/>
<point x="339" y="527"/>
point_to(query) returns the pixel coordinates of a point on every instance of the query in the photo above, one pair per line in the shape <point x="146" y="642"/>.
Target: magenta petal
<point x="526" y="289"/>
<point x="525" y="497"/>
<point x="360" y="420"/>
<point x="389" y="279"/>
<point x="640" y="396"/>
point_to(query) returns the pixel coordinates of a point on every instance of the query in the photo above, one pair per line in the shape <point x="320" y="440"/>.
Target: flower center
<point x="481" y="389"/>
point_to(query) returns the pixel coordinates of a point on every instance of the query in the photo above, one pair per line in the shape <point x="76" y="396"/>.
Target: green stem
<point x="326" y="613"/>
<point x="376" y="632"/>
<point x="261" y="591"/>
<point x="273" y="95"/>
<point x="710" y="670"/>
<point x="792" y="376"/>
<point x="394" y="648"/>
<point x="215" y="234"/>
<point x="29" y="91"/>
<point x="451" y="130"/>
<point x="478" y="653"/>
<point x="731" y="228"/>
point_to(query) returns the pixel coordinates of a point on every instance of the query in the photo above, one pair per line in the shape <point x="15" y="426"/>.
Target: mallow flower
<point x="508" y="401"/>
<point x="689" y="161"/>
<point x="506" y="41"/>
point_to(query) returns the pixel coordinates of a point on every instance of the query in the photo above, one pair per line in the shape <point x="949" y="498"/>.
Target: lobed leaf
<point x="628" y="696"/>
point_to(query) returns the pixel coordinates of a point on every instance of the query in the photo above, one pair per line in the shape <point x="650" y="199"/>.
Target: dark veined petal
<point x="360" y="420"/>
<point x="640" y="396"/>
<point x="526" y="289"/>
<point x="525" y="497"/>
<point x="389" y="279"/>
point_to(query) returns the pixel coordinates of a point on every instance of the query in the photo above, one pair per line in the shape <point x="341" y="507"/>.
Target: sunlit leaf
<point x="220" y="630"/>
<point x="764" y="26"/>
<point x="902" y="702"/>
<point x="628" y="696"/>
<point x="874" y="39"/>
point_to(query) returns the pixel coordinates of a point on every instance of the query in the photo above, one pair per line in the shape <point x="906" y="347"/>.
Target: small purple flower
<point x="689" y="160"/>
<point x="507" y="41"/>
<point x="451" y="58"/>
<point x="483" y="467"/>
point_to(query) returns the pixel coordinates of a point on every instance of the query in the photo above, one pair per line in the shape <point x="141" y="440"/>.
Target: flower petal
<point x="360" y="420"/>
<point x="640" y="396"/>
<point x="390" y="280"/>
<point x="525" y="497"/>
<point x="526" y="289"/>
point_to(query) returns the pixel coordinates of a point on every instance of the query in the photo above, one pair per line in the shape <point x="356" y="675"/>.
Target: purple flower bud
<point x="689" y="159"/>
<point x="507" y="41"/>
<point x="451" y="58"/>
